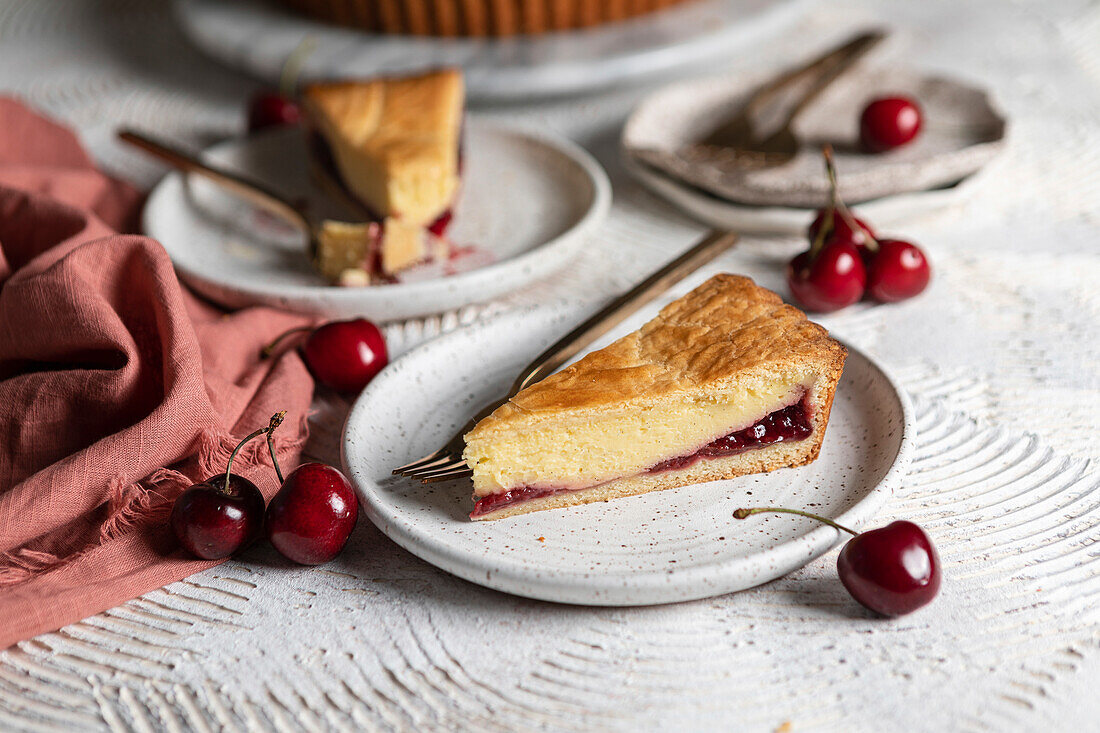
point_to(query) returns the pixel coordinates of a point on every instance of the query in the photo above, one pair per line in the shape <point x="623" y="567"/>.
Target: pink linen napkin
<point x="118" y="388"/>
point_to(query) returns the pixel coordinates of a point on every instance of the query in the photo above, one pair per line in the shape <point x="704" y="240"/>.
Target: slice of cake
<point x="726" y="381"/>
<point x="392" y="142"/>
<point x="391" y="145"/>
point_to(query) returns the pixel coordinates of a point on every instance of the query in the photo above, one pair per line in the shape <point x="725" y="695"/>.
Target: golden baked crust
<point x="394" y="141"/>
<point x="724" y="329"/>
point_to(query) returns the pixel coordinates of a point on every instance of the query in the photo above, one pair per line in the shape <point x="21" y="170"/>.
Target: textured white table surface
<point x="1001" y="355"/>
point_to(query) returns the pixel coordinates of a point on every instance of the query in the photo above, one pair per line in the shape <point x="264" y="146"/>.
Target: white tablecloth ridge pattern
<point x="1002" y="357"/>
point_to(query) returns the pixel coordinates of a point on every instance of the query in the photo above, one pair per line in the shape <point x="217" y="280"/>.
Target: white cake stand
<point x="257" y="36"/>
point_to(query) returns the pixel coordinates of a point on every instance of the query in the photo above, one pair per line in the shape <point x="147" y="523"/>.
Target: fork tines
<point x="436" y="467"/>
<point x="458" y="470"/>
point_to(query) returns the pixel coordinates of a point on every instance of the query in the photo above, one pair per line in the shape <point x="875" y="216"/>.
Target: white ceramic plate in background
<point x="528" y="200"/>
<point x="660" y="547"/>
<point x="257" y="36"/>
<point x="962" y="131"/>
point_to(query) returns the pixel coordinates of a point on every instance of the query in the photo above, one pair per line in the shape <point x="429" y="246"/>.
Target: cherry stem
<point x="229" y="463"/>
<point x="270" y="348"/>
<point x="830" y="172"/>
<point x="837" y="205"/>
<point x="827" y="224"/>
<point x="292" y="69"/>
<point x="746" y="513"/>
<point x="819" y="240"/>
<point x="276" y="421"/>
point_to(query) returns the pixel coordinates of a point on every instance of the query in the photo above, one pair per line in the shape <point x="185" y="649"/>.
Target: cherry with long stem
<point x="896" y="269"/>
<point x="342" y="355"/>
<point x="831" y="273"/>
<point x="218" y="516"/>
<point x="278" y="108"/>
<point x="892" y="570"/>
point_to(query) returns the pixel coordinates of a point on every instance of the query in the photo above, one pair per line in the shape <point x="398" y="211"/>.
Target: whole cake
<point x="474" y="17"/>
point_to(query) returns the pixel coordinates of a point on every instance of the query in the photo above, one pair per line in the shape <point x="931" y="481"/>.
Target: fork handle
<point x="565" y="348"/>
<point x="853" y="52"/>
<point x="442" y="464"/>
<point x="855" y="47"/>
<point x="250" y="190"/>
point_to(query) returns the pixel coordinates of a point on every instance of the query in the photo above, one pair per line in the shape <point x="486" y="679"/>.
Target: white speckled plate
<point x="660" y="547"/>
<point x="258" y="36"/>
<point x="963" y="130"/>
<point x="527" y="200"/>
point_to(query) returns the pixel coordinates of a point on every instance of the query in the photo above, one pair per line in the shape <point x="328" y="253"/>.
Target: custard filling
<point x="789" y="424"/>
<point x="622" y="443"/>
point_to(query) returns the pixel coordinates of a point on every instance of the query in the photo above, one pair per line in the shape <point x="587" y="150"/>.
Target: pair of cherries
<point x="892" y="570"/>
<point x="308" y="521"/>
<point x="846" y="260"/>
<point x="313" y="513"/>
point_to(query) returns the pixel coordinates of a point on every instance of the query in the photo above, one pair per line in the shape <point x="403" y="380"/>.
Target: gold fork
<point x="740" y="140"/>
<point x="740" y="136"/>
<point x="446" y="463"/>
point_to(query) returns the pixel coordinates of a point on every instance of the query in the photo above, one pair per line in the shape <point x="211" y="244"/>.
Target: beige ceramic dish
<point x="963" y="131"/>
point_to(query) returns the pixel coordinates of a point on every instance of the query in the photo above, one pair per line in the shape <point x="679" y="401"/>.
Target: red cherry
<point x="313" y="514"/>
<point x="888" y="123"/>
<point x="831" y="280"/>
<point x="892" y="570"/>
<point x="840" y="229"/>
<point x="271" y="109"/>
<point x="346" y="355"/>
<point x="211" y="522"/>
<point x="216" y="517"/>
<point x="899" y="270"/>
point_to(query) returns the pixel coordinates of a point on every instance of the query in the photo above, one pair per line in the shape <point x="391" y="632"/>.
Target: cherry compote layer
<point x="789" y="424"/>
<point x="493" y="502"/>
<point x="792" y="423"/>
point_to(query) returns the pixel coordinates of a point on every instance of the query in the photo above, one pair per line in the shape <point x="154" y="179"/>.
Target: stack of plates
<point x="963" y="131"/>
